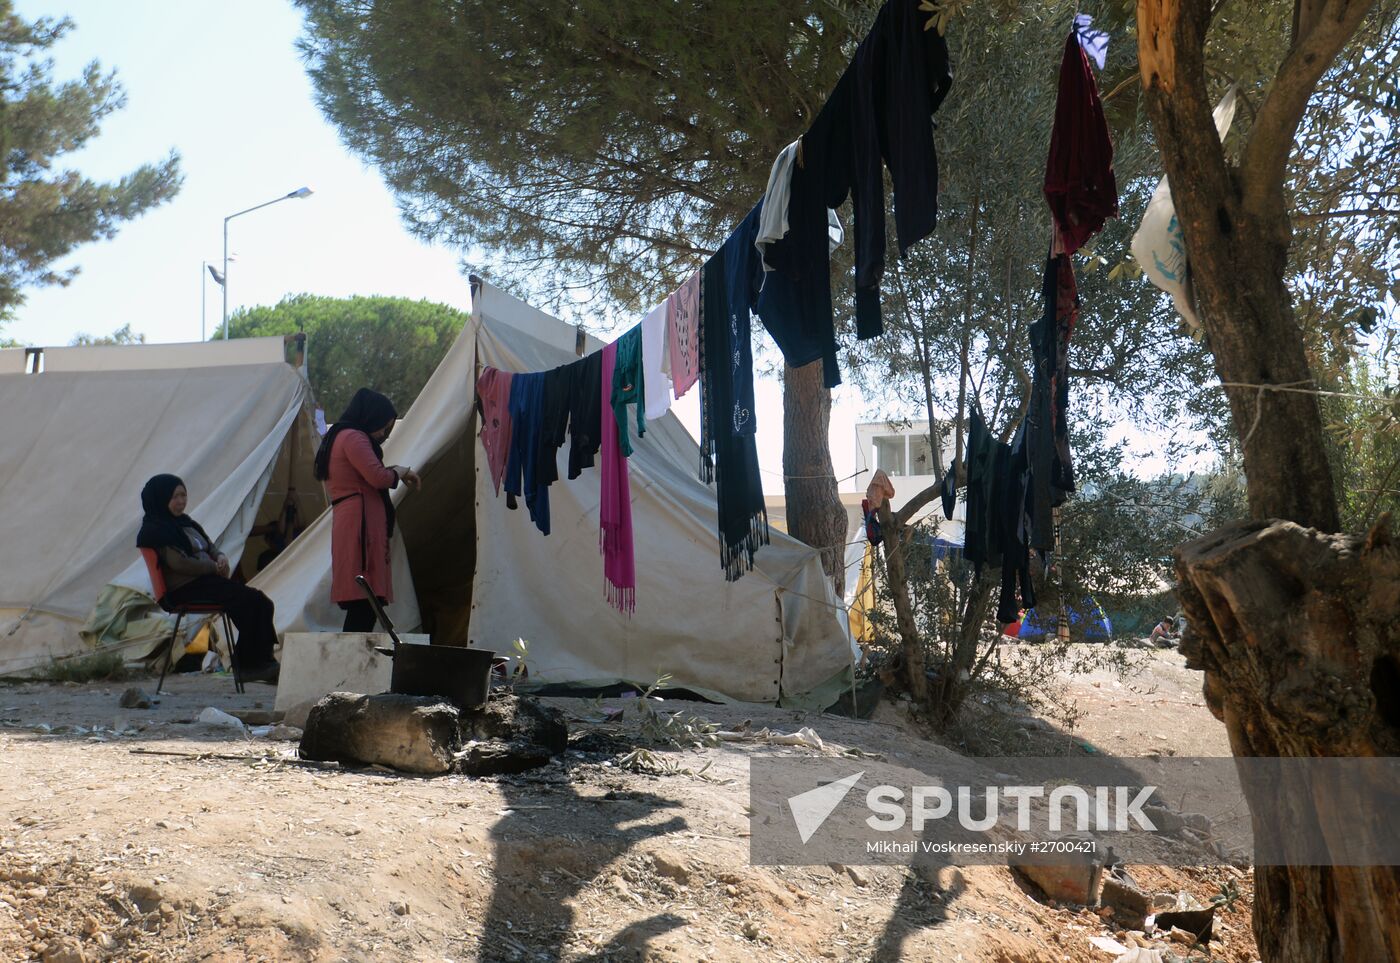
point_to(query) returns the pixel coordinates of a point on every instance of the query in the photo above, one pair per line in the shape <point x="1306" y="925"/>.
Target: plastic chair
<point x="182" y="610"/>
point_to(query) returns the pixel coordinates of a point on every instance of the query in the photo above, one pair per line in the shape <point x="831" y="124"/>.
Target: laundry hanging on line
<point x="878" y="115"/>
<point x="1012" y="490"/>
<point x="728" y="451"/>
<point x="615" y="498"/>
<point x="1079" y="182"/>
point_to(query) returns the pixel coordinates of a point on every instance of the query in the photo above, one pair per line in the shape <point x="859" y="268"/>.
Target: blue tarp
<point x="1087" y="621"/>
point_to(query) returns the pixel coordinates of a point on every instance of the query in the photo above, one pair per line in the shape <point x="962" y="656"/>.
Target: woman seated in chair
<point x="197" y="573"/>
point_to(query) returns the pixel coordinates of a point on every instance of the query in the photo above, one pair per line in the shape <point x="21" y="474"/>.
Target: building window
<point x="889" y="454"/>
<point x="921" y="455"/>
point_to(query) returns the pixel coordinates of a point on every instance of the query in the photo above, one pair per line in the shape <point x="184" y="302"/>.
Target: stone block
<point x="429" y="735"/>
<point x="416" y="734"/>
<point x="1066" y="882"/>
<point x="315" y="664"/>
<point x="1130" y="904"/>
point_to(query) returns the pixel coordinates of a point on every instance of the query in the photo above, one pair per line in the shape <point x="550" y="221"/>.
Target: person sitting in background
<point x="196" y="572"/>
<point x="1164" y="633"/>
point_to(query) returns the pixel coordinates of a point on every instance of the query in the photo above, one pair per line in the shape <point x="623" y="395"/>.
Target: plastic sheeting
<point x="468" y="569"/>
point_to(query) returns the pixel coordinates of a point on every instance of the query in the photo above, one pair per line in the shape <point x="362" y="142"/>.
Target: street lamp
<point x="299" y="192"/>
<point x="203" y="289"/>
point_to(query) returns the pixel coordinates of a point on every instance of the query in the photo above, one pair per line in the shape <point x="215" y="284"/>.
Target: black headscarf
<point x="161" y="528"/>
<point x="368" y="411"/>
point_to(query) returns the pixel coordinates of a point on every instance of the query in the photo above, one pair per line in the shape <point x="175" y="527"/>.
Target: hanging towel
<point x="1079" y="181"/>
<point x="628" y="387"/>
<point x="683" y="334"/>
<point x="522" y="466"/>
<point x="657" y="382"/>
<point x="493" y="404"/>
<point x="615" y="499"/>
<point x="729" y="457"/>
<point x="585" y="413"/>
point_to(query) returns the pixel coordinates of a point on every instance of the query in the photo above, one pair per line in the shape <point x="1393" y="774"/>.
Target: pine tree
<point x="47" y="210"/>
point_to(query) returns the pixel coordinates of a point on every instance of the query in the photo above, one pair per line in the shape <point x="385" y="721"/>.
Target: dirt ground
<point x="130" y="834"/>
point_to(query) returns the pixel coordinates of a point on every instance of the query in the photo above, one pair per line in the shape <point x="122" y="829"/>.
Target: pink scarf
<point x="615" y="503"/>
<point x="683" y="334"/>
<point x="493" y="395"/>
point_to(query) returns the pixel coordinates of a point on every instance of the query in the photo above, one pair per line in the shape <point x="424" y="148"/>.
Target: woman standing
<point x="351" y="462"/>
<point x="197" y="572"/>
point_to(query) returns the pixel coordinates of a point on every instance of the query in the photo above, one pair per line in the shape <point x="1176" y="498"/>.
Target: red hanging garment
<point x="1079" y="182"/>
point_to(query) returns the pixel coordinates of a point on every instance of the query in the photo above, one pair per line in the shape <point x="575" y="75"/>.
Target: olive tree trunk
<point x="1293" y="626"/>
<point x="1298" y="633"/>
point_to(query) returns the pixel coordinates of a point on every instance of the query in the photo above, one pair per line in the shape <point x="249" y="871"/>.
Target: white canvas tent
<point x="466" y="568"/>
<point x="80" y="437"/>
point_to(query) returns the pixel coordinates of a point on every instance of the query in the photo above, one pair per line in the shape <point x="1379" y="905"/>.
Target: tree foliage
<point x="392" y="345"/>
<point x="595" y="151"/>
<point x="594" y="145"/>
<point x="123" y="335"/>
<point x="979" y="276"/>
<point x="47" y="210"/>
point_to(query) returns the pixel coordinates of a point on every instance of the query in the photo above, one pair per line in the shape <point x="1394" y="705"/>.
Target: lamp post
<point x="299" y="192"/>
<point x="203" y="288"/>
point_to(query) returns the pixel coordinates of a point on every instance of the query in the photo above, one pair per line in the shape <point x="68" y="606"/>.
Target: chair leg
<point x="170" y="651"/>
<point x="232" y="654"/>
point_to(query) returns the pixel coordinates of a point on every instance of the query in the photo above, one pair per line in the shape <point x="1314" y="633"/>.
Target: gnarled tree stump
<point x="1298" y="633"/>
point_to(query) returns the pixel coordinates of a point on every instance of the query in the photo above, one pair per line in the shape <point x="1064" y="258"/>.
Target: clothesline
<point x="778" y="474"/>
<point x="1292" y="387"/>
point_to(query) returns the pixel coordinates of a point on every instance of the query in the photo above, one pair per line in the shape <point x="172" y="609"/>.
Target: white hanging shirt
<point x="656" y="381"/>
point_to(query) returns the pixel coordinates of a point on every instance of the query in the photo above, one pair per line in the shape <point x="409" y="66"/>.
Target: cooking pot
<point x="458" y="673"/>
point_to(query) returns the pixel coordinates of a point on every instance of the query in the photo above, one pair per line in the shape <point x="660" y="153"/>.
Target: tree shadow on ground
<point x="923" y="903"/>
<point x="551" y="830"/>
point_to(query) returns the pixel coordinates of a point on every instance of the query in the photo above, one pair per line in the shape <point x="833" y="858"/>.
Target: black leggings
<point x="250" y="610"/>
<point x="359" y="616"/>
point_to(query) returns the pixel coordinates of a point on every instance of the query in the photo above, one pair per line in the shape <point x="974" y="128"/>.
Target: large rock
<point x="1130" y="904"/>
<point x="1066" y="882"/>
<point x="510" y="735"/>
<point x="412" y="733"/>
<point x="428" y="735"/>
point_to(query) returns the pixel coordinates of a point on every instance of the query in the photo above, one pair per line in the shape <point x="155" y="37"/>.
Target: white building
<point x="903" y="451"/>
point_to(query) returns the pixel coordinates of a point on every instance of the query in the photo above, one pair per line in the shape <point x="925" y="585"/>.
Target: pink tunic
<point x="359" y="533"/>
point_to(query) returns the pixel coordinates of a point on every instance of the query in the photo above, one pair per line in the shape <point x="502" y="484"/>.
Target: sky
<point x="222" y="84"/>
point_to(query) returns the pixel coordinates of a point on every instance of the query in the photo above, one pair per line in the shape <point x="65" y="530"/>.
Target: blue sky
<point x="221" y="83"/>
